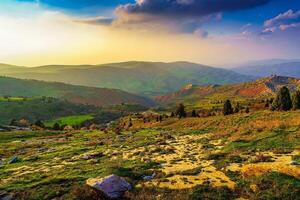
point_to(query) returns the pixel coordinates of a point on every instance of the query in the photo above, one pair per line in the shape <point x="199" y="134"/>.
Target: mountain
<point x="262" y="88"/>
<point x="145" y="78"/>
<point x="75" y="94"/>
<point x="270" y="67"/>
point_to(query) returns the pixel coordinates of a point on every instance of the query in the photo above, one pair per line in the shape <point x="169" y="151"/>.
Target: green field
<point x="69" y="120"/>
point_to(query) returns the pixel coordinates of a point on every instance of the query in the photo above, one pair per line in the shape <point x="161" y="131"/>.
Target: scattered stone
<point x="6" y="196"/>
<point x="294" y="163"/>
<point x="112" y="186"/>
<point x="13" y="160"/>
<point x="148" y="178"/>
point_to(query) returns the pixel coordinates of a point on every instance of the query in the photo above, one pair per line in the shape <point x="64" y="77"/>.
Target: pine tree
<point x="194" y="114"/>
<point x="247" y="110"/>
<point x="283" y="100"/>
<point x="296" y="100"/>
<point x="227" y="109"/>
<point x="180" y="111"/>
<point x="39" y="123"/>
<point x="56" y="127"/>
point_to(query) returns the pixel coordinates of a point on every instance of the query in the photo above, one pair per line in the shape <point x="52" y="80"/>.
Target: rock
<point x="295" y="163"/>
<point x="112" y="186"/>
<point x="13" y="160"/>
<point x="6" y="196"/>
<point x="148" y="178"/>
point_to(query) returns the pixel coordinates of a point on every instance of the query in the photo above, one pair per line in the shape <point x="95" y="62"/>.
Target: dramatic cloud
<point x="282" y="22"/>
<point x="186" y="8"/>
<point x="178" y="15"/>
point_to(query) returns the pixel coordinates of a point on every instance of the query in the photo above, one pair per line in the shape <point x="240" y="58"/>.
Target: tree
<point x="296" y="100"/>
<point x="180" y="111"/>
<point x="194" y="114"/>
<point x="39" y="123"/>
<point x="227" y="109"/>
<point x="247" y="109"/>
<point x="283" y="100"/>
<point x="56" y="127"/>
<point x="172" y="114"/>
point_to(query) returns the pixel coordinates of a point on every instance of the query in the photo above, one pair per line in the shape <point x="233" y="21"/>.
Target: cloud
<point x="288" y="16"/>
<point x="186" y="8"/>
<point x="282" y="22"/>
<point x="201" y="33"/>
<point x="95" y="21"/>
<point x="186" y="16"/>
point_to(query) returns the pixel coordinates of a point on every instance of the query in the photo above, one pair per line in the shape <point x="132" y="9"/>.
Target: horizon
<point x="223" y="65"/>
<point x="93" y="32"/>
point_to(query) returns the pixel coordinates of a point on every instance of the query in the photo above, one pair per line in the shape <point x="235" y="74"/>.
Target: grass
<point x="54" y="159"/>
<point x="69" y="120"/>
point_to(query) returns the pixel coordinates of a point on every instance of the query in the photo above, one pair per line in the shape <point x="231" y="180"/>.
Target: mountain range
<point x="263" y="68"/>
<point x="143" y="78"/>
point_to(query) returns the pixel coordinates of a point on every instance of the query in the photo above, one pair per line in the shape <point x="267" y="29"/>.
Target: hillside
<point x="72" y="93"/>
<point x="242" y="156"/>
<point x="146" y="78"/>
<point x="40" y="108"/>
<point x="280" y="68"/>
<point x="261" y="88"/>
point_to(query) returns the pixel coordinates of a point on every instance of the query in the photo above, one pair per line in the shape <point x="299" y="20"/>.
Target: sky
<point x="214" y="32"/>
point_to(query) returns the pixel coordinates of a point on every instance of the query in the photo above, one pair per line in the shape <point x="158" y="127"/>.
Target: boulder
<point x="112" y="186"/>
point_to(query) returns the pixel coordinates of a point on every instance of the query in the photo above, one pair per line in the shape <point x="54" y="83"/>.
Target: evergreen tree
<point x="194" y="114"/>
<point x="180" y="111"/>
<point x="227" y="109"/>
<point x="283" y="100"/>
<point x="39" y="123"/>
<point x="296" y="100"/>
<point x="56" y="127"/>
<point x="247" y="110"/>
<point x="172" y="114"/>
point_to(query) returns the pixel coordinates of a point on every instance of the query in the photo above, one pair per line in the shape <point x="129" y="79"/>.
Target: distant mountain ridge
<point x="262" y="88"/>
<point x="144" y="78"/>
<point x="75" y="94"/>
<point x="278" y="67"/>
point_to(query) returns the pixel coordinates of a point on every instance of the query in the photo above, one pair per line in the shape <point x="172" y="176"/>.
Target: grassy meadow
<point x="220" y="157"/>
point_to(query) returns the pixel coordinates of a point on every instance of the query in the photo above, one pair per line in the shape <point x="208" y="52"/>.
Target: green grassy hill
<point x="40" y="108"/>
<point x="260" y="89"/>
<point x="75" y="94"/>
<point x="146" y="78"/>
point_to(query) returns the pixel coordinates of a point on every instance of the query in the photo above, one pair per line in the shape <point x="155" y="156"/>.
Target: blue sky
<point x="269" y="27"/>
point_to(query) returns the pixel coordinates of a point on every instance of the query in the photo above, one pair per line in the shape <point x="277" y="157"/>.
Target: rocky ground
<point x="249" y="156"/>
